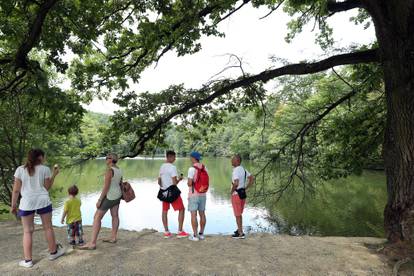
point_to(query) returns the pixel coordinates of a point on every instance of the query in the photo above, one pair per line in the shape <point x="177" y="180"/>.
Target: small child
<point x="72" y="212"/>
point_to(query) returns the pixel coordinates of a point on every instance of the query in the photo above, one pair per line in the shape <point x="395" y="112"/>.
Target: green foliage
<point x="37" y="115"/>
<point x="362" y="18"/>
<point x="141" y="112"/>
<point x="132" y="39"/>
<point x="303" y="13"/>
<point x="89" y="140"/>
<point x="346" y="141"/>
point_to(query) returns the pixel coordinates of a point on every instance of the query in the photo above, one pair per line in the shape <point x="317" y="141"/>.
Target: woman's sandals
<point x="109" y="240"/>
<point x="86" y="247"/>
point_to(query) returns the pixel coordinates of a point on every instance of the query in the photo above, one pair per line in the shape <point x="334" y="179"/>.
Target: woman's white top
<point x="114" y="192"/>
<point x="33" y="191"/>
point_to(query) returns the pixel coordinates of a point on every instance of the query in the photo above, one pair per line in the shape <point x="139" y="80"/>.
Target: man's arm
<point x="175" y="178"/>
<point x="234" y="185"/>
<point x="190" y="177"/>
<point x="159" y="181"/>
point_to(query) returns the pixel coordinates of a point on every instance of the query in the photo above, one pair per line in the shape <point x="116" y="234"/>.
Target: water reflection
<point x="344" y="207"/>
<point x="145" y="211"/>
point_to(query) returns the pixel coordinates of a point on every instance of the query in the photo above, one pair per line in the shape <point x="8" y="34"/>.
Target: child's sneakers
<point x="81" y="242"/>
<point x="59" y="252"/>
<point x="201" y="236"/>
<point x="167" y="235"/>
<point x="26" y="264"/>
<point x="182" y="234"/>
<point x="72" y="242"/>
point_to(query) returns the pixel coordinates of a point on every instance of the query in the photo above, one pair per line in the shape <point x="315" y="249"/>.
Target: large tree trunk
<point x="394" y="23"/>
<point x="399" y="156"/>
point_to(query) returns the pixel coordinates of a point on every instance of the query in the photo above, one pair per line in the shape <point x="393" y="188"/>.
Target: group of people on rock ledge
<point x="33" y="180"/>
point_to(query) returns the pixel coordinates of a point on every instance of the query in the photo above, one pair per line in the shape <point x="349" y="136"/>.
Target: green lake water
<point x="344" y="207"/>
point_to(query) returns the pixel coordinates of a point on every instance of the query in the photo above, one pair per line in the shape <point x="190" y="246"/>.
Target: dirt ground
<point x="147" y="253"/>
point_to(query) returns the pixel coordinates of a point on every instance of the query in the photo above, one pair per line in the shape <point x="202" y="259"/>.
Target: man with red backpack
<point x="198" y="184"/>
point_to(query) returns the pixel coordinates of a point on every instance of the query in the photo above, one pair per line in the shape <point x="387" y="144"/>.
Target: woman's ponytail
<point x="33" y="159"/>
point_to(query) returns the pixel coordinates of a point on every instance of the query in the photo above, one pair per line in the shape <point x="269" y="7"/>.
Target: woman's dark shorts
<point x="108" y="204"/>
<point x="41" y="211"/>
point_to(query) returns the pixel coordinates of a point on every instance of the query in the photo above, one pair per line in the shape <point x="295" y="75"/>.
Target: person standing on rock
<point x="32" y="181"/>
<point x="109" y="199"/>
<point x="241" y="181"/>
<point x="169" y="194"/>
<point x="198" y="183"/>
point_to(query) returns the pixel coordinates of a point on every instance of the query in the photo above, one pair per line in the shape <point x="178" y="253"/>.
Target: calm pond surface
<point x="344" y="207"/>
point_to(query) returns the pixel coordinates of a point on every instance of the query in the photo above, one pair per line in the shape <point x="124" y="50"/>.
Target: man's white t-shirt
<point x="191" y="174"/>
<point x="242" y="175"/>
<point x="167" y="172"/>
<point x="33" y="191"/>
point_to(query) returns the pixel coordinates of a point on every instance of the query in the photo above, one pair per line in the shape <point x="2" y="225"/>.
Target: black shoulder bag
<point x="170" y="194"/>
<point x="242" y="191"/>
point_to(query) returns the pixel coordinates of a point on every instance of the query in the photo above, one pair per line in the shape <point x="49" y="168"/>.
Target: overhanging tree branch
<point x="273" y="9"/>
<point x="334" y="6"/>
<point x="34" y="33"/>
<point x="297" y="142"/>
<point x="174" y="27"/>
<point x="227" y="86"/>
<point x="32" y="37"/>
<point x="306" y="127"/>
<point x="174" y="34"/>
<point x="232" y="11"/>
<point x="13" y="82"/>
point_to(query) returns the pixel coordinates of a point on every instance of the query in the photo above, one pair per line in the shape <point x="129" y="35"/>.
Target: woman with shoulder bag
<point x="109" y="199"/>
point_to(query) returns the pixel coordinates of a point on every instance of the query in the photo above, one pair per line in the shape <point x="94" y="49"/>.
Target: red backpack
<point x="201" y="184"/>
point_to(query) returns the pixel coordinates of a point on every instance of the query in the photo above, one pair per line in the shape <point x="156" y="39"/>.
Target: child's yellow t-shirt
<point x="72" y="209"/>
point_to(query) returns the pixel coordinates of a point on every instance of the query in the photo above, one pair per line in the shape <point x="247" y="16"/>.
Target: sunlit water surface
<point x="345" y="207"/>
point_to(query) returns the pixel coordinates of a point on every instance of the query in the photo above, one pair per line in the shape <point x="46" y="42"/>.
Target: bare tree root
<point x="399" y="264"/>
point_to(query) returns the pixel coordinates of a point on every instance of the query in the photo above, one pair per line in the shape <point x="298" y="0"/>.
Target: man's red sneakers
<point x="182" y="234"/>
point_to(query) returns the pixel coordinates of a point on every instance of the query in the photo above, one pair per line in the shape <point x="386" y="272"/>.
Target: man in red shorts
<point x="241" y="179"/>
<point x="169" y="176"/>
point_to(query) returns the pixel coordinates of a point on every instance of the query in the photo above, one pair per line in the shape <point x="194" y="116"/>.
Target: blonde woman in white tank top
<point x="109" y="200"/>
